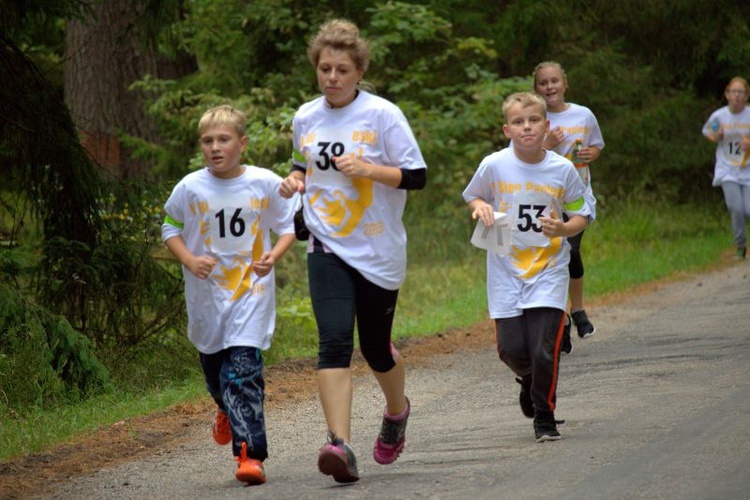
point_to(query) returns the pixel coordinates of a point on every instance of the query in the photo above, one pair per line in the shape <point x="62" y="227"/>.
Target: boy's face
<point x="222" y="147"/>
<point x="526" y="126"/>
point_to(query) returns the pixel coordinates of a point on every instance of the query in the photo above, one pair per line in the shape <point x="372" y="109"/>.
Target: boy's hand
<point x="552" y="226"/>
<point x="201" y="266"/>
<point x="291" y="185"/>
<point x="264" y="265"/>
<point x="485" y="212"/>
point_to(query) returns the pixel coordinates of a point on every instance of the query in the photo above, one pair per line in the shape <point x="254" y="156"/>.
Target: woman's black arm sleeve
<point x="413" y="179"/>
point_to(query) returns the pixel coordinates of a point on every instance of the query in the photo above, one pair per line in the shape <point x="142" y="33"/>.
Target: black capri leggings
<point x="575" y="266"/>
<point x="340" y="294"/>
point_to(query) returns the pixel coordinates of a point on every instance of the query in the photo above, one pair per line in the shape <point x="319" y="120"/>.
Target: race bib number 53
<point x="527" y="208"/>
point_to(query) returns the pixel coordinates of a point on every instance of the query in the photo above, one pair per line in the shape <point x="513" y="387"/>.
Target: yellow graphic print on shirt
<point x="341" y="212"/>
<point x="531" y="252"/>
<point x="237" y="277"/>
<point x="532" y="260"/>
<point x="202" y="209"/>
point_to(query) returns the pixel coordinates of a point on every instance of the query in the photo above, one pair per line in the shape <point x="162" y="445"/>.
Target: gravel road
<point x="657" y="405"/>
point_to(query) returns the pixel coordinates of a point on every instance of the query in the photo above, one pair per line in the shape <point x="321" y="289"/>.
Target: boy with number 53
<point x="527" y="287"/>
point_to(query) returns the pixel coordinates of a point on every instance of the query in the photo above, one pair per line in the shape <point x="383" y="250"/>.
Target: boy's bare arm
<point x="553" y="226"/>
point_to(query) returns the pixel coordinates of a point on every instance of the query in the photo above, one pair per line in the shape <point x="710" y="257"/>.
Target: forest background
<point x="100" y="102"/>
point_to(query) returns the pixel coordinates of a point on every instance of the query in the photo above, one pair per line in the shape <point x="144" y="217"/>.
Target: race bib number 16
<point x="231" y="230"/>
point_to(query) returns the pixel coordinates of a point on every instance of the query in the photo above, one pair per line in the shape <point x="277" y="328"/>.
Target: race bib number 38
<point x="330" y="144"/>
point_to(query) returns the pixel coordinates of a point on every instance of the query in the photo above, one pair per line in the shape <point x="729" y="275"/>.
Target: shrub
<point x="43" y="360"/>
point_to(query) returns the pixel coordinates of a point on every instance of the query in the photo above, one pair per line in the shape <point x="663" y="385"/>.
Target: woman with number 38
<point x="354" y="158"/>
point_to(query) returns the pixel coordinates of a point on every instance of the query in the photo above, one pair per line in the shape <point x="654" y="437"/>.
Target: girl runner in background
<point x="574" y="133"/>
<point x="729" y="128"/>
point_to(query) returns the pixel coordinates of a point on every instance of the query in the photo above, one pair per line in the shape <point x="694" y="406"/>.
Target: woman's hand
<point x="264" y="265"/>
<point x="351" y="166"/>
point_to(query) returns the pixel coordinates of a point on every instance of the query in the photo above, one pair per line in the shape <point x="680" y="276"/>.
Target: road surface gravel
<point x="656" y="403"/>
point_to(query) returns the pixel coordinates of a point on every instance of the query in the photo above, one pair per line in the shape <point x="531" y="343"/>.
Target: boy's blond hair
<point x="223" y="115"/>
<point x="525" y="99"/>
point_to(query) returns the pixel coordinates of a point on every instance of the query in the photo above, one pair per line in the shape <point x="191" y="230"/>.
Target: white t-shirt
<point x="229" y="219"/>
<point x="535" y="271"/>
<point x="732" y="164"/>
<point x="578" y="122"/>
<point x="357" y="219"/>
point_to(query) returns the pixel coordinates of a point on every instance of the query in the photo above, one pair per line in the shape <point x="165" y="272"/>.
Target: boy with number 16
<point x="527" y="289"/>
<point x="217" y="225"/>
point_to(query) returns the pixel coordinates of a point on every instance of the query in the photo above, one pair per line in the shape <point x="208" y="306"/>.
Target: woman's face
<point x="550" y="84"/>
<point x="736" y="95"/>
<point x="337" y="76"/>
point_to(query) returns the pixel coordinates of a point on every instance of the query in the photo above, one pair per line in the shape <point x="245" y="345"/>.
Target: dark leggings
<point x="234" y="378"/>
<point x="340" y="294"/>
<point x="575" y="266"/>
<point x="530" y="345"/>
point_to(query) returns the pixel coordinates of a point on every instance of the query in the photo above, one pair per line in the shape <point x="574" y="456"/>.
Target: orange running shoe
<point x="220" y="429"/>
<point x="249" y="470"/>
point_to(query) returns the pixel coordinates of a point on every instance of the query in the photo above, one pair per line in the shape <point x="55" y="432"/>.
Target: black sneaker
<point x="567" y="345"/>
<point x="524" y="397"/>
<point x="740" y="253"/>
<point x="545" y="427"/>
<point x="583" y="325"/>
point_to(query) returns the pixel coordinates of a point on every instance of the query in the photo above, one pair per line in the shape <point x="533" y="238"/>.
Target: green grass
<point x="625" y="248"/>
<point x="40" y="430"/>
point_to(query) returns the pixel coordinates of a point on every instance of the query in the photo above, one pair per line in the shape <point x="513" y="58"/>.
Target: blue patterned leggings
<point x="234" y="378"/>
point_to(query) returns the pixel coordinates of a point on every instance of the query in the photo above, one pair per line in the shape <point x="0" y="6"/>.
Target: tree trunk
<point x="105" y="54"/>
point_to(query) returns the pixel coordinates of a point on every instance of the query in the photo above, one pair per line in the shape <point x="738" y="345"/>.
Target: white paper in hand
<point x="494" y="238"/>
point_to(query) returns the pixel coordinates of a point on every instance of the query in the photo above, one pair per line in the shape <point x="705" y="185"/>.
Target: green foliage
<point x="179" y="110"/>
<point x="43" y="360"/>
<point x="652" y="154"/>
